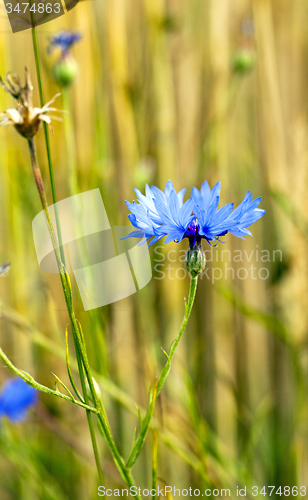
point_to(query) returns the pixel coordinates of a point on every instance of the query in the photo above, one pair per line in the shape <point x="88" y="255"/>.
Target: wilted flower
<point x="161" y="214"/>
<point x="26" y="119"/>
<point x="16" y="397"/>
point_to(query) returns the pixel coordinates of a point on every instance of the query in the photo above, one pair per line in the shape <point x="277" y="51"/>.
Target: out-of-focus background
<point x="187" y="91"/>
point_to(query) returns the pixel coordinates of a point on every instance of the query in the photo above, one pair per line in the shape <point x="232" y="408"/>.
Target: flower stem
<point x="139" y="443"/>
<point x="67" y="292"/>
<point x="69" y="140"/>
<point x="47" y="140"/>
<point x="81" y="353"/>
<point x="31" y="381"/>
<point x="188" y="308"/>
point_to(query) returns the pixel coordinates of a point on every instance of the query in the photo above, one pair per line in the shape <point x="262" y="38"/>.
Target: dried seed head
<point x="26" y="119"/>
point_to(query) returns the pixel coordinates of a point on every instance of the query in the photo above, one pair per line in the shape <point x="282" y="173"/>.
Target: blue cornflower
<point x="64" y="40"/>
<point x="16" y="397"/>
<point x="214" y="222"/>
<point x="160" y="214"/>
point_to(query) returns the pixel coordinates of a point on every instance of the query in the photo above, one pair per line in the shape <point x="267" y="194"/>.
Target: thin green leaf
<point x="68" y="364"/>
<point x="80" y="331"/>
<point x="139" y="416"/>
<point x="143" y="429"/>
<point x="154" y="461"/>
<point x="30" y="380"/>
<point x="64" y="386"/>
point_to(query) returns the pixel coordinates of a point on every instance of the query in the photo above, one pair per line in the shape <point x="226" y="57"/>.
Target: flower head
<point x="16" y="397"/>
<point x="160" y="214"/>
<point x="64" y="40"/>
<point x="26" y="119"/>
<point x="65" y="69"/>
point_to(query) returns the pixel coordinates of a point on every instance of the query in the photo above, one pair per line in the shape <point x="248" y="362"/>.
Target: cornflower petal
<point x="163" y="213"/>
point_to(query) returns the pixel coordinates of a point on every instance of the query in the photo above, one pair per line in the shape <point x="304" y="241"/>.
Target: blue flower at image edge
<point x="158" y="214"/>
<point x="16" y="397"/>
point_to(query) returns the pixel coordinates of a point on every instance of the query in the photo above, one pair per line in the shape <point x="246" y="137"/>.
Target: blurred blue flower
<point x="16" y="397"/>
<point x="160" y="214"/>
<point x="5" y="269"/>
<point x="64" y="40"/>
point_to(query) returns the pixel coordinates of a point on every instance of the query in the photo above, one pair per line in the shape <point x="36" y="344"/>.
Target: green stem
<point x="67" y="292"/>
<point x="154" y="461"/>
<point x="81" y="353"/>
<point x="90" y="421"/>
<point x="137" y="447"/>
<point x="30" y="380"/>
<point x="47" y="140"/>
<point x="188" y="308"/>
<point x="69" y="140"/>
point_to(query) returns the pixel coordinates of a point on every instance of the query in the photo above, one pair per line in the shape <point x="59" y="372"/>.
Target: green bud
<point x="243" y="61"/>
<point x="65" y="71"/>
<point x="195" y="260"/>
<point x="97" y="389"/>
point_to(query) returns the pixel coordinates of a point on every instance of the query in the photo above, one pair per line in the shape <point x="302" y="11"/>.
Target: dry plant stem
<point x="83" y="363"/>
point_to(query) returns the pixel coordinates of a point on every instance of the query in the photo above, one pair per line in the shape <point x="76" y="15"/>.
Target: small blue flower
<point x="16" y="397"/>
<point x="160" y="214"/>
<point x="5" y="269"/>
<point x="64" y="40"/>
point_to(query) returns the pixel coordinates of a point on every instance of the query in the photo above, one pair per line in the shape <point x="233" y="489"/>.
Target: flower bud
<point x="195" y="260"/>
<point x="243" y="61"/>
<point x="96" y="387"/>
<point x="65" y="71"/>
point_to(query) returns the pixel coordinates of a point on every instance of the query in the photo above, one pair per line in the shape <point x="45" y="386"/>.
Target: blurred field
<point x="157" y="98"/>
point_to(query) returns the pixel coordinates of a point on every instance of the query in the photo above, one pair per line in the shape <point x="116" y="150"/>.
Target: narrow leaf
<point x="144" y="429"/>
<point x="69" y="371"/>
<point x="64" y="386"/>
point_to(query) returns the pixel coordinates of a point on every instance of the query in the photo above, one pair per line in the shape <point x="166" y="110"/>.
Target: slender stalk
<point x="154" y="461"/>
<point x="139" y="443"/>
<point x="188" y="308"/>
<point x="81" y="353"/>
<point x="47" y="140"/>
<point x="73" y="185"/>
<point x="31" y="381"/>
<point x="67" y="293"/>
<point x="69" y="140"/>
<point x="90" y="421"/>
